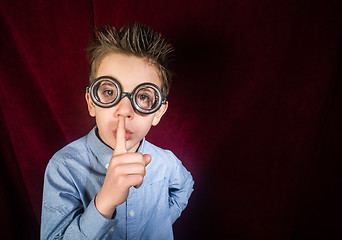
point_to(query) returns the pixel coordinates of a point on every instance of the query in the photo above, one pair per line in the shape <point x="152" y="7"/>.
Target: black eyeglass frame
<point x="161" y="98"/>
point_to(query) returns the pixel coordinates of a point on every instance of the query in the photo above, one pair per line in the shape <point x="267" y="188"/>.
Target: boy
<point x="112" y="183"/>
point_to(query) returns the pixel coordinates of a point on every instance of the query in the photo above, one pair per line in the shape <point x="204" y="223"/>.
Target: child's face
<point x="130" y="71"/>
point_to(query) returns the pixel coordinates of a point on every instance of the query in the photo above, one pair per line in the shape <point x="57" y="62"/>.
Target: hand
<point x="124" y="171"/>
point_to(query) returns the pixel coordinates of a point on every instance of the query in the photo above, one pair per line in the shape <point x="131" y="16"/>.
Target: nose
<point x="124" y="108"/>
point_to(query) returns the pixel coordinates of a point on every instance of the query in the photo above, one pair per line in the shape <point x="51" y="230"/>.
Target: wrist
<point x="105" y="209"/>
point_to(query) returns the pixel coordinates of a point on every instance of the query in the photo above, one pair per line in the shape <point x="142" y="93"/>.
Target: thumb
<point x="147" y="159"/>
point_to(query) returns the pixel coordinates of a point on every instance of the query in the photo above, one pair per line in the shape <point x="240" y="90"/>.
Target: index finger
<point x="120" y="141"/>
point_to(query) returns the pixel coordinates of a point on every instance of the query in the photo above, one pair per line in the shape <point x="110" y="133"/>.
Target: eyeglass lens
<point x="146" y="97"/>
<point x="105" y="91"/>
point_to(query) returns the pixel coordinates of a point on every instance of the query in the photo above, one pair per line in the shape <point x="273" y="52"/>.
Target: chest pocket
<point x="156" y="199"/>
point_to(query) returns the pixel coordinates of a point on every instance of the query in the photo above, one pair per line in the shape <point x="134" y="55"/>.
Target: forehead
<point x="129" y="70"/>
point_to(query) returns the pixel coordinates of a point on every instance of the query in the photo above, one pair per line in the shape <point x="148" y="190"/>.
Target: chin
<point x="131" y="145"/>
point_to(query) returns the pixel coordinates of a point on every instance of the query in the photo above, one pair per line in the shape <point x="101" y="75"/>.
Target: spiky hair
<point x="138" y="40"/>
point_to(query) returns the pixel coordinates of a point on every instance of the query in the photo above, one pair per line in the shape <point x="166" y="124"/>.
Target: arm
<point x="67" y="215"/>
<point x="64" y="215"/>
<point x="180" y="189"/>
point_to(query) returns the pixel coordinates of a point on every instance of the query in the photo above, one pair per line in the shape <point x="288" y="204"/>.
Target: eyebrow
<point x="107" y="84"/>
<point x="146" y="89"/>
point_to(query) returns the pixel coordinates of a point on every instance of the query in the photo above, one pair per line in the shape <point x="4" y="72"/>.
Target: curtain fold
<point x="254" y="109"/>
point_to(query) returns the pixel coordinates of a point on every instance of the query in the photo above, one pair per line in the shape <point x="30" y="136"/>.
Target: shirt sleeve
<point x="180" y="188"/>
<point x="64" y="216"/>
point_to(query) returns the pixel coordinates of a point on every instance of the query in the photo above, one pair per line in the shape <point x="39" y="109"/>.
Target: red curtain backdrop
<point x="255" y="109"/>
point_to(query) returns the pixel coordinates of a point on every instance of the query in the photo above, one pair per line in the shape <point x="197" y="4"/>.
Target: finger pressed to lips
<point x="120" y="143"/>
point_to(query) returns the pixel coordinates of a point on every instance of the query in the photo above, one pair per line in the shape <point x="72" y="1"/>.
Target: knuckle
<point x="137" y="179"/>
<point x="117" y="170"/>
<point x="141" y="168"/>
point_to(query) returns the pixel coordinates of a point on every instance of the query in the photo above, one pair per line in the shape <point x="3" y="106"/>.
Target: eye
<point x="108" y="93"/>
<point x="145" y="100"/>
<point x="144" y="97"/>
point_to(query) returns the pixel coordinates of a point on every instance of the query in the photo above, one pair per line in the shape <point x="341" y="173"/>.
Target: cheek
<point x="143" y="125"/>
<point x="105" y="124"/>
<point x="104" y="119"/>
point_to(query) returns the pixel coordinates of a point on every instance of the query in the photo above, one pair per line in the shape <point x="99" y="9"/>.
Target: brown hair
<point x="138" y="40"/>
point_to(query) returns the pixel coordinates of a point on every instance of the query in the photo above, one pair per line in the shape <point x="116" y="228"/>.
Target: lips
<point x="128" y="134"/>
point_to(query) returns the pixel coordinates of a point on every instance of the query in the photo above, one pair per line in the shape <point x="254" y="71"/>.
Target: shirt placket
<point x="132" y="214"/>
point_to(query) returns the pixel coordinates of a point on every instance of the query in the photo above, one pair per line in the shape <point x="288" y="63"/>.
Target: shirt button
<point x="131" y="213"/>
<point x="107" y="165"/>
<point x="111" y="230"/>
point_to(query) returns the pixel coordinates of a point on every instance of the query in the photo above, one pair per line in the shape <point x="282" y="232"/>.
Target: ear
<point x="90" y="104"/>
<point x="158" y="115"/>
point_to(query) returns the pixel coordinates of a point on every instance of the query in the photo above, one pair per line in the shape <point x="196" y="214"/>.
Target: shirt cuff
<point x="93" y="224"/>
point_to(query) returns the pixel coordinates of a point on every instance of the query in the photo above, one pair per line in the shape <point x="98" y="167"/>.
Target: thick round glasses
<point x="106" y="92"/>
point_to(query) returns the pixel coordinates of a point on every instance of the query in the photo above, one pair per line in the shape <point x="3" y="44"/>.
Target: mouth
<point x="128" y="134"/>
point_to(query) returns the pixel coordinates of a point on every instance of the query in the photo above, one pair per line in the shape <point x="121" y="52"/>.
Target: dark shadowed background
<point x="255" y="109"/>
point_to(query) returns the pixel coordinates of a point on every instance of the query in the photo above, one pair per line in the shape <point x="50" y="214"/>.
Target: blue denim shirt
<point x="76" y="173"/>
